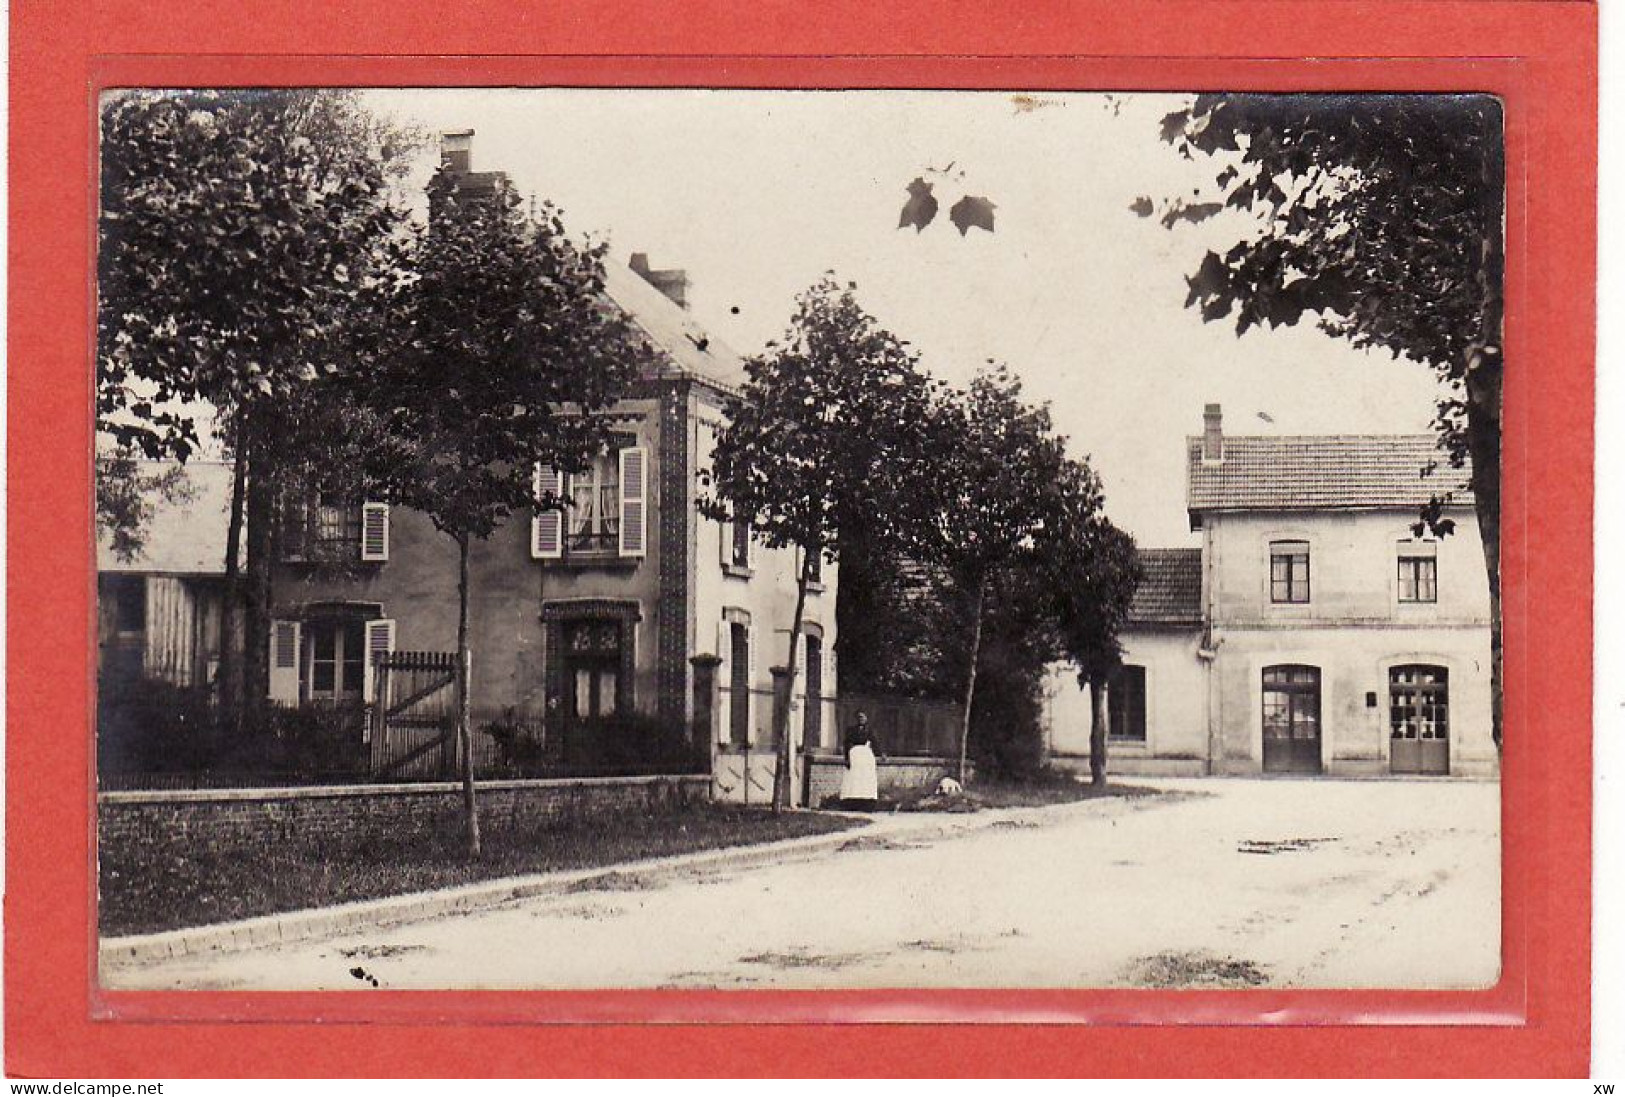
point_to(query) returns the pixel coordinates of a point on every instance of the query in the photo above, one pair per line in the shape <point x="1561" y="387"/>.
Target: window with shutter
<point x="547" y="526"/>
<point x="375" y="532"/>
<point x="380" y="641"/>
<point x="634" y="501"/>
<point x="285" y="646"/>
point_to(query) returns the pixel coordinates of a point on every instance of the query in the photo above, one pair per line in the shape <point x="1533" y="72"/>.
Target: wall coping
<point x="425" y="788"/>
<point x="820" y="756"/>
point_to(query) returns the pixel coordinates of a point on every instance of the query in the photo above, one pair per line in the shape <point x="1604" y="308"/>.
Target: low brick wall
<point x="896" y="775"/>
<point x="239" y="817"/>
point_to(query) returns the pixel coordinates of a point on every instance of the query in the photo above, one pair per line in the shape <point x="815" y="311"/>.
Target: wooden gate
<point x="414" y="716"/>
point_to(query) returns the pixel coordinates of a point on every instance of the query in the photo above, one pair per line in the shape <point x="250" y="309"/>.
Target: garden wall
<point x="232" y="819"/>
<point x="897" y="775"/>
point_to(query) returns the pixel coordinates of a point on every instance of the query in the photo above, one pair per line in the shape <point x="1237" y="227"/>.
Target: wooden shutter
<point x="725" y="540"/>
<point x="547" y="526"/>
<point x="750" y="685"/>
<point x="724" y="693"/>
<point x="380" y="641"/>
<point x="375" y="532"/>
<point x="634" y="501"/>
<point x="285" y="649"/>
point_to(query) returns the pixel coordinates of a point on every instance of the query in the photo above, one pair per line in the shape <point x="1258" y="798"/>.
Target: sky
<point x="757" y="194"/>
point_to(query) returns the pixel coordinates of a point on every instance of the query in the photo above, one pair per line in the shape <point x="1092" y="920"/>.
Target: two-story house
<point x="579" y="615"/>
<point x="627" y="602"/>
<point x="1313" y="631"/>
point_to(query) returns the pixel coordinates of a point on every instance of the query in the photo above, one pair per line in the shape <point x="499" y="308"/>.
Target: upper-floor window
<point x="739" y="549"/>
<point x="595" y="506"/>
<point x="331" y="528"/>
<point x="1289" y="571"/>
<point x="1418" y="571"/>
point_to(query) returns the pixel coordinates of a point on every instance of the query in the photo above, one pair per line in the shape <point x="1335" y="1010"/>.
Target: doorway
<point x="1292" y="719"/>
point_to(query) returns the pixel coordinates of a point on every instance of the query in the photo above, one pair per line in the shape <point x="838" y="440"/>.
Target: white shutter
<point x="725" y="694"/>
<point x="547" y="526"/>
<point x="725" y="540"/>
<point x="375" y="532"/>
<point x="285" y="648"/>
<point x="380" y="640"/>
<point x="634" y="501"/>
<point x="750" y="684"/>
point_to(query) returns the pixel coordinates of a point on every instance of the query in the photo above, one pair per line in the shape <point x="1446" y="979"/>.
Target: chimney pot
<point x="457" y="151"/>
<point x="673" y="283"/>
<point x="1212" y="433"/>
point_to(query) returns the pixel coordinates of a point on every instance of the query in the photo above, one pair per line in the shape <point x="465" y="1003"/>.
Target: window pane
<point x="607" y="681"/>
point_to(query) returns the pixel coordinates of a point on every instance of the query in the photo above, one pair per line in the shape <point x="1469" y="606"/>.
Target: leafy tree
<point x="238" y="232"/>
<point x="1383" y="217"/>
<point x="995" y="467"/>
<point x="1091" y="569"/>
<point x="819" y="444"/>
<point x="507" y="358"/>
<point x="125" y="494"/>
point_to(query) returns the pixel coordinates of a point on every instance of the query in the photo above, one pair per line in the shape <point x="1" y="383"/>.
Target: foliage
<point x="126" y="495"/>
<point x="146" y="725"/>
<point x="1383" y="217"/>
<point x="504" y="357"/>
<point x="826" y="432"/>
<point x="235" y="231"/>
<point x="821" y="446"/>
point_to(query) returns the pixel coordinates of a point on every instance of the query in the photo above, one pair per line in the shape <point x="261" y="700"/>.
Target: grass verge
<point x="1040" y="790"/>
<point x="181" y="881"/>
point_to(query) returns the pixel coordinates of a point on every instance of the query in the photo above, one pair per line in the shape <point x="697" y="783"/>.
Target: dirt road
<point x="1228" y="883"/>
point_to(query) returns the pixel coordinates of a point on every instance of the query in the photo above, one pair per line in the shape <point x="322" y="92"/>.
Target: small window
<point x="1125" y="704"/>
<point x="1418" y="571"/>
<point x="1289" y="572"/>
<point x="741" y="545"/>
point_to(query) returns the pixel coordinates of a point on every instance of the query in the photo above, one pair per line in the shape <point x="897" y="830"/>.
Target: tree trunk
<point x="230" y="670"/>
<point x="970" y="678"/>
<point x="1097" y="732"/>
<point x="781" y="713"/>
<point x="1484" y="447"/>
<point x="256" y="669"/>
<point x="465" y="746"/>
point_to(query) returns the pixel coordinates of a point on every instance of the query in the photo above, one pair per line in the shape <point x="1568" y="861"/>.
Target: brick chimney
<point x="457" y="150"/>
<point x="1212" y="433"/>
<point x="673" y="283"/>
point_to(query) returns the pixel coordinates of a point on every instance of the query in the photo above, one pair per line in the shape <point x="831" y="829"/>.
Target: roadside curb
<point x="319" y="922"/>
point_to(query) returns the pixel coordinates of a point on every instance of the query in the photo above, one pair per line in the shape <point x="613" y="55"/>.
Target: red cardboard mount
<point x="1539" y="57"/>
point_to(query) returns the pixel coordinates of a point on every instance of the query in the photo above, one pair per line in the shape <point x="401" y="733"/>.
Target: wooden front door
<point x="1419" y="720"/>
<point x="1291" y="719"/>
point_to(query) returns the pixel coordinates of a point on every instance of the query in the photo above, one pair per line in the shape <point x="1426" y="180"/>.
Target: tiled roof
<point x="185" y="534"/>
<point x="688" y="350"/>
<point x="1170" y="590"/>
<point x="1310" y="472"/>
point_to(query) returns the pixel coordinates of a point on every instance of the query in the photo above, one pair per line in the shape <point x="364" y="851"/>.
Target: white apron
<point x="860" y="782"/>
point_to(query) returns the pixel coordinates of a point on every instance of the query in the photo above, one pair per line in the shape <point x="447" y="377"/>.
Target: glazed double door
<point x="1292" y="719"/>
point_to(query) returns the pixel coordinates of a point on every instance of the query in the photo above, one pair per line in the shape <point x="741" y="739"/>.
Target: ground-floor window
<point x="335" y="647"/>
<point x="1125" y="704"/>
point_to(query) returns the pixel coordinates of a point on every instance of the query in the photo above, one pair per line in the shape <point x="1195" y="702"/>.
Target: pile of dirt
<point x="1196" y="969"/>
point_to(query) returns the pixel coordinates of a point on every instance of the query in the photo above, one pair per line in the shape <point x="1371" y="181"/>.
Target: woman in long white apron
<point x="860" y="785"/>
